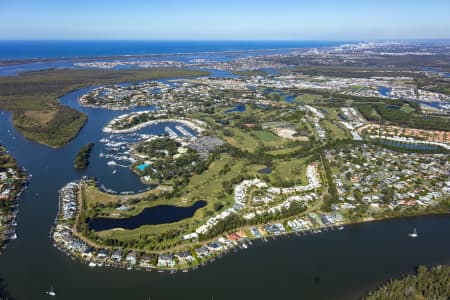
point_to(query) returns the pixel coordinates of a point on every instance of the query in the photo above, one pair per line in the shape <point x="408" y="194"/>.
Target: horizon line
<point x="229" y="40"/>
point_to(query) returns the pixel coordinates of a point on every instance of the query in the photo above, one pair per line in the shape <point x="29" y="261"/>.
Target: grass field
<point x="267" y="137"/>
<point x="32" y="98"/>
<point x="308" y="98"/>
<point x="206" y="186"/>
<point x="242" y="140"/>
<point x="289" y="172"/>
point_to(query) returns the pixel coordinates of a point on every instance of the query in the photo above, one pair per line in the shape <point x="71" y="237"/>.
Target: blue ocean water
<point x="65" y="49"/>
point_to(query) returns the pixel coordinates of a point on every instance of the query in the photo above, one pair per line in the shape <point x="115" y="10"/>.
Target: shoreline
<point x="19" y="61"/>
<point x="243" y="242"/>
<point x="12" y="216"/>
<point x="186" y="122"/>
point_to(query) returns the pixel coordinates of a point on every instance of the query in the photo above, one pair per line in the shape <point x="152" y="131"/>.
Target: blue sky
<point x="230" y="19"/>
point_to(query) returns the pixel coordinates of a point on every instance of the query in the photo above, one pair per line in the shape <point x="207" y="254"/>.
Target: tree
<point x="388" y="194"/>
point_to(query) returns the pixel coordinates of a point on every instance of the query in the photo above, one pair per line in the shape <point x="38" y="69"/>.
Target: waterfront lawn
<point x="105" y="204"/>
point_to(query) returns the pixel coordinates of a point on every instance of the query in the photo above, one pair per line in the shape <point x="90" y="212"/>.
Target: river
<point x="331" y="265"/>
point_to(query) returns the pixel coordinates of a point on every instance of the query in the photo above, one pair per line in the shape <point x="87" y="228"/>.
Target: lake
<point x="237" y="108"/>
<point x="156" y="215"/>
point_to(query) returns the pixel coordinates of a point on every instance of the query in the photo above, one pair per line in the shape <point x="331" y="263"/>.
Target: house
<point x="131" y="258"/>
<point x="202" y="251"/>
<point x="102" y="254"/>
<point x="116" y="255"/>
<point x="146" y="261"/>
<point x="184" y="257"/>
<point x="166" y="260"/>
<point x="214" y="246"/>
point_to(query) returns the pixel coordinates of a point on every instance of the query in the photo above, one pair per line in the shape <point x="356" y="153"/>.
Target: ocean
<point x="18" y="50"/>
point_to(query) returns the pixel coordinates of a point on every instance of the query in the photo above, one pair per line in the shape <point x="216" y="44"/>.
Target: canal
<point x="331" y="265"/>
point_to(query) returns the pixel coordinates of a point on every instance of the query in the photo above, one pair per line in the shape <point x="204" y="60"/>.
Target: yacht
<point x="111" y="163"/>
<point x="414" y="234"/>
<point x="114" y="172"/>
<point x="51" y="292"/>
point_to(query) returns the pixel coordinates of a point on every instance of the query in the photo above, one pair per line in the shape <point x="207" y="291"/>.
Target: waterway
<point x="331" y="265"/>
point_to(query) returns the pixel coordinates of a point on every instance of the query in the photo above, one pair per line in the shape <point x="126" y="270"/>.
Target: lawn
<point x="289" y="172"/>
<point x="206" y="186"/>
<point x="335" y="131"/>
<point x="308" y="98"/>
<point x="242" y="140"/>
<point x="267" y="137"/>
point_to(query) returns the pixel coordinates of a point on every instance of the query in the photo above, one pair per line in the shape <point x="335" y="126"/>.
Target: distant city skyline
<point x="227" y="20"/>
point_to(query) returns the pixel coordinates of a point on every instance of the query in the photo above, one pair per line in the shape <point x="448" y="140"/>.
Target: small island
<point x="82" y="158"/>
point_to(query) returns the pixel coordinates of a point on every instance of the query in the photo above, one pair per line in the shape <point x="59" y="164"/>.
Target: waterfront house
<point x="202" y="251"/>
<point x="166" y="260"/>
<point x="184" y="257"/>
<point x="116" y="255"/>
<point x="146" y="261"/>
<point x="131" y="258"/>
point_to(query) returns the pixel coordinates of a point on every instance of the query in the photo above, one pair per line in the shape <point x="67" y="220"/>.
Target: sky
<point x="224" y="20"/>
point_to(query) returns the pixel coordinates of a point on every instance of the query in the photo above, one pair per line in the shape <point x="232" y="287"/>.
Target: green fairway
<point x="266" y="136"/>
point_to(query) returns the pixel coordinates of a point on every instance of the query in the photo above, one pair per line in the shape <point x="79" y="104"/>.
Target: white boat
<point x="92" y="264"/>
<point x="51" y="292"/>
<point x="341" y="227"/>
<point x="114" y="172"/>
<point x="414" y="234"/>
<point x="111" y="163"/>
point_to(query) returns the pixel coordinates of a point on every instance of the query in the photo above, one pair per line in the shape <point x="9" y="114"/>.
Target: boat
<point x="92" y="264"/>
<point x="114" y="172"/>
<point x="111" y="163"/>
<point x="414" y="234"/>
<point x="51" y="292"/>
<point x="341" y="227"/>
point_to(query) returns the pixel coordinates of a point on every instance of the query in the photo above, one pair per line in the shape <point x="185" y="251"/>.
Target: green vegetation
<point x="427" y="283"/>
<point x="32" y="98"/>
<point x="307" y="98"/>
<point x="82" y="159"/>
<point x="212" y="180"/>
<point x="439" y="85"/>
<point x="267" y="137"/>
<point x="12" y="180"/>
<point x="398" y="114"/>
<point x="171" y="163"/>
